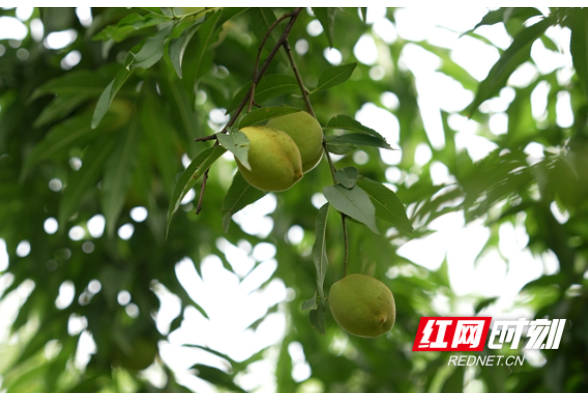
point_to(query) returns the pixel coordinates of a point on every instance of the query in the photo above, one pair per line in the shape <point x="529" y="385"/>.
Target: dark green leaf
<point x="269" y="87"/>
<point x="358" y="139"/>
<point x="240" y="194"/>
<point x="152" y="50"/>
<point x="347" y="177"/>
<point x="319" y="250"/>
<point x="81" y="182"/>
<point x="117" y="175"/>
<point x="318" y="318"/>
<point x="60" y="107"/>
<point x="216" y="377"/>
<point x="578" y="23"/>
<point x="262" y="19"/>
<point x="190" y="176"/>
<point x="111" y="90"/>
<point x="454" y="384"/>
<point x="206" y="35"/>
<point x="354" y="203"/>
<point x="129" y="25"/>
<point x="504" y="14"/>
<point x="60" y="137"/>
<point x="388" y="206"/>
<point x="264" y="114"/>
<point x="484" y="303"/>
<point x="326" y="16"/>
<point x="72" y="83"/>
<point x="347" y="123"/>
<point x="238" y="144"/>
<point x="310" y="304"/>
<point x="334" y="75"/>
<point x="515" y="55"/>
<point x="177" y="46"/>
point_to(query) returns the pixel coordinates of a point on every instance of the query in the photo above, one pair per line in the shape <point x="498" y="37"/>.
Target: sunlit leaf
<point x="388" y="206"/>
<point x="264" y="114"/>
<point x="354" y="203"/>
<point x="238" y="144"/>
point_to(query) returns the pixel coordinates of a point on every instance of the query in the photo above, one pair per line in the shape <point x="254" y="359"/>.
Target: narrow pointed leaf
<point x="81" y="182"/>
<point x="319" y="250"/>
<point x="348" y="123"/>
<point x="334" y="76"/>
<point x="326" y="16"/>
<point x="515" y="55"/>
<point x="354" y="203"/>
<point x="358" y="139"/>
<point x="190" y="176"/>
<point x="388" y="206"/>
<point x="240" y="194"/>
<point x="118" y="173"/>
<point x="206" y="35"/>
<point x="111" y="90"/>
<point x="238" y="144"/>
<point x="318" y="318"/>
<point x="71" y="83"/>
<point x="177" y="46"/>
<point x="264" y="114"/>
<point x="60" y="107"/>
<point x="152" y="50"/>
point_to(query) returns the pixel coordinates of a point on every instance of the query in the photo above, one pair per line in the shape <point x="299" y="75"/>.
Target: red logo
<point x="451" y="334"/>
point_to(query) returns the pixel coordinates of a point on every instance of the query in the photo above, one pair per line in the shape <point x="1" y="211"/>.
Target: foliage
<point x="147" y="84"/>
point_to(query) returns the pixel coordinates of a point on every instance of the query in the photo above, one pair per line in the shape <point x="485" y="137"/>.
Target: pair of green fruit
<point x="282" y="151"/>
<point x="363" y="306"/>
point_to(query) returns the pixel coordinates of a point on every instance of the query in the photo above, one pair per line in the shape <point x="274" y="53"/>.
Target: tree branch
<point x="303" y="89"/>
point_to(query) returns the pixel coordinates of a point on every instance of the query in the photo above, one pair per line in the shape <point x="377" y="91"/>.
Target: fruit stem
<point x="346" y="238"/>
<point x="303" y="89"/>
<point x="257" y="76"/>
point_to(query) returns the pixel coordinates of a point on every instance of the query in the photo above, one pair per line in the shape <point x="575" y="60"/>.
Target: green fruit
<point x="307" y="134"/>
<point x="273" y="157"/>
<point x="363" y="306"/>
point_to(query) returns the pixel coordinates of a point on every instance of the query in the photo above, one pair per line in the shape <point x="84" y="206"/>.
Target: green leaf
<point x="339" y="148"/>
<point x="160" y="135"/>
<point x="118" y="173"/>
<point x="319" y="250"/>
<point x="177" y="46"/>
<point x="326" y="16"/>
<point x="217" y="377"/>
<point x="347" y="177"/>
<point x="354" y="203"/>
<point x="363" y="14"/>
<point x="60" y="107"/>
<point x="347" y="123"/>
<point x="504" y="14"/>
<point x="60" y="137"/>
<point x="515" y="55"/>
<point x="358" y="139"/>
<point x="152" y="50"/>
<point x="334" y="75"/>
<point x="238" y="144"/>
<point x="578" y="23"/>
<point x="71" y="83"/>
<point x="310" y="304"/>
<point x="129" y="25"/>
<point x="262" y="19"/>
<point x="388" y="206"/>
<point x="454" y="384"/>
<point x="189" y="178"/>
<point x="318" y="318"/>
<point x="240" y="194"/>
<point x="269" y="87"/>
<point x="82" y="181"/>
<point x="265" y="114"/>
<point x="111" y="90"/>
<point x="206" y="34"/>
<point x="484" y="303"/>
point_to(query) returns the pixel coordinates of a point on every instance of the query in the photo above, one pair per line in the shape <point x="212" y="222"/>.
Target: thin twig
<point x="205" y="138"/>
<point x="346" y="240"/>
<point x="264" y="67"/>
<point x="303" y="89"/>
